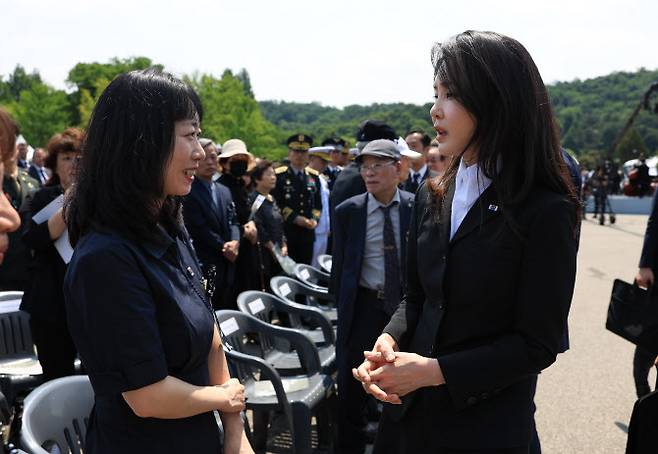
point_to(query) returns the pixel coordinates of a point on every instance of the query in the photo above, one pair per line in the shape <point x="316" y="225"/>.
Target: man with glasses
<point x="368" y="271"/>
<point x="297" y="193"/>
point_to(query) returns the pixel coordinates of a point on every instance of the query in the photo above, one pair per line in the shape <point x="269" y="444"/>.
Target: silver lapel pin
<point x="493" y="207"/>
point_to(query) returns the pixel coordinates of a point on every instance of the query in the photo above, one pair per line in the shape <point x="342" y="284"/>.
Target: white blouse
<point x="470" y="183"/>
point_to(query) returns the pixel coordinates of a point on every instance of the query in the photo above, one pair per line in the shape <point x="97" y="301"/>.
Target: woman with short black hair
<point x="44" y="298"/>
<point x="491" y="262"/>
<point x="135" y="299"/>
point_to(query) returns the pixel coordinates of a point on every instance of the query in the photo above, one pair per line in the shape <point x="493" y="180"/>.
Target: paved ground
<point x="585" y="399"/>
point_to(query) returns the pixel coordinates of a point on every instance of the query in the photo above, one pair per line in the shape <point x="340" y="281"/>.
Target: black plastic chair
<point x="313" y="277"/>
<point x="265" y="306"/>
<point x="20" y="370"/>
<point x="298" y="398"/>
<point x="293" y="291"/>
<point x="325" y="262"/>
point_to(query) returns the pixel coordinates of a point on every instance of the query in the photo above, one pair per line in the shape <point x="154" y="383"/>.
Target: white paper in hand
<point x="63" y="246"/>
<point x="48" y="211"/>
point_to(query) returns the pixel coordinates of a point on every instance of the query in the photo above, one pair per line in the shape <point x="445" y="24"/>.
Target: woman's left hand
<point x="407" y="373"/>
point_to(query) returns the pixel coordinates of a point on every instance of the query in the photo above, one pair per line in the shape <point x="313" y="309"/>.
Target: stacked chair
<point x="299" y="391"/>
<point x="20" y="370"/>
<point x="313" y="277"/>
<point x="293" y="290"/>
<point x="56" y="415"/>
<point x="325" y="262"/>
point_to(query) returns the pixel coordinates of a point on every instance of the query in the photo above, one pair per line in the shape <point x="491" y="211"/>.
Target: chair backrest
<point x="296" y="291"/>
<point x="256" y="304"/>
<point x="11" y="295"/>
<point x="312" y="277"/>
<point x="15" y="333"/>
<point x="325" y="262"/>
<point x="57" y="412"/>
<point x="235" y="327"/>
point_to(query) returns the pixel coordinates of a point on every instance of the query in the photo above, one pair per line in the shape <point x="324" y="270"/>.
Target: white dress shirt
<point x="470" y="183"/>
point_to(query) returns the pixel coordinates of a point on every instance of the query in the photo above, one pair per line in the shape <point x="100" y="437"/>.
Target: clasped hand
<point x="388" y="374"/>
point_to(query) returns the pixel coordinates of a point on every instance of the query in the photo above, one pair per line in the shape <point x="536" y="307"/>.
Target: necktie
<point x="391" y="264"/>
<point x="214" y="196"/>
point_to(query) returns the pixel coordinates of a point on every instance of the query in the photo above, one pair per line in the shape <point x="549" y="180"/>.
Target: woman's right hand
<point x="644" y="277"/>
<point x="234" y="398"/>
<point x="382" y="352"/>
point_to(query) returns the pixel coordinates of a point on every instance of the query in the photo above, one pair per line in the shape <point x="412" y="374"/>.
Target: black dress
<point x="44" y="299"/>
<point x="138" y="313"/>
<point x="269" y="222"/>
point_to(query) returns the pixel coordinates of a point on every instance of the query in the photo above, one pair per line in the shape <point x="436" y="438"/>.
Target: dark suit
<point x="411" y="186"/>
<point x="491" y="307"/>
<point x="44" y="297"/>
<point x="38" y="174"/>
<point x="348" y="184"/>
<point x="211" y="226"/>
<point x="360" y="317"/>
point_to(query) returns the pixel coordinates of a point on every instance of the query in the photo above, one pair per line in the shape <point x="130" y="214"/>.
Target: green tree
<point x="631" y="146"/>
<point x="41" y="112"/>
<point x="90" y="79"/>
<point x="230" y="113"/>
<point x="19" y="80"/>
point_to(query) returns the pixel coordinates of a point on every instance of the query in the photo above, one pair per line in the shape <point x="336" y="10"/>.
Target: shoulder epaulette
<point x="281" y="169"/>
<point x="312" y="171"/>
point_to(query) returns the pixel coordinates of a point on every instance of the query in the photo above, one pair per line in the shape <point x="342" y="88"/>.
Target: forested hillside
<point x="590" y="112"/>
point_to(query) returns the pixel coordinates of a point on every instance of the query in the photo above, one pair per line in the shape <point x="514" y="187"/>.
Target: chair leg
<point x="301" y="420"/>
<point x="261" y="423"/>
<point x="324" y="419"/>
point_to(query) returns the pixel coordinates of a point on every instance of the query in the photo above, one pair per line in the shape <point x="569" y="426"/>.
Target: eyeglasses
<point x="440" y="158"/>
<point x="374" y="167"/>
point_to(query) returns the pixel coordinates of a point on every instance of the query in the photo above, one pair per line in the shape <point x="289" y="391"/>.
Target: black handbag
<point x="633" y="315"/>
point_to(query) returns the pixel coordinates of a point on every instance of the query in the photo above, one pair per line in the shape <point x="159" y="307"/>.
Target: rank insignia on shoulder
<point x="270" y="198"/>
<point x="312" y="171"/>
<point x="281" y="169"/>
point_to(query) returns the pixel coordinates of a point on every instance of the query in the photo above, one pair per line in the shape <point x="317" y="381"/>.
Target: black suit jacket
<point x="44" y="297"/>
<point x="348" y="184"/>
<point x="210" y="228"/>
<point x="491" y="306"/>
<point x="34" y="173"/>
<point x="649" y="257"/>
<point x="347" y="256"/>
<point x="408" y="184"/>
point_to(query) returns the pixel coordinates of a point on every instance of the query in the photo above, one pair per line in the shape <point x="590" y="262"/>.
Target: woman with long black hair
<point x="135" y="299"/>
<point x="491" y="262"/>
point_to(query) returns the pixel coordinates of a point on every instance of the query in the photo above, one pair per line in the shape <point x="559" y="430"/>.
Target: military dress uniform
<point x="298" y="195"/>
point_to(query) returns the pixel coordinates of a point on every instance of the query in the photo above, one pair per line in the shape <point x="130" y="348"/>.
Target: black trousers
<point x="643" y="361"/>
<point x="367" y="324"/>
<point x="55" y="348"/>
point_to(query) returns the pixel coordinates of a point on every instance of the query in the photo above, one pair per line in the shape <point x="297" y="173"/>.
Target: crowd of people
<point x="453" y="258"/>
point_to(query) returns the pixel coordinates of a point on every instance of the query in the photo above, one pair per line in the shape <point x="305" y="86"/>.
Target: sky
<point x="337" y="52"/>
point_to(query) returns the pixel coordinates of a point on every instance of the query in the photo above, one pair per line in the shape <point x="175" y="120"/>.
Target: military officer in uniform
<point x="297" y="193"/>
